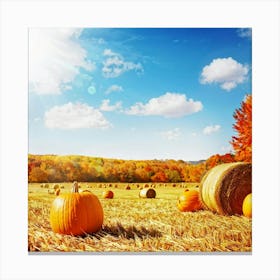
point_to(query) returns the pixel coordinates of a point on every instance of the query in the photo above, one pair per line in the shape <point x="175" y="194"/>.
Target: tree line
<point x="55" y="168"/>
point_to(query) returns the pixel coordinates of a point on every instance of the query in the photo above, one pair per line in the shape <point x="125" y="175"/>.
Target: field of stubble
<point x="133" y="224"/>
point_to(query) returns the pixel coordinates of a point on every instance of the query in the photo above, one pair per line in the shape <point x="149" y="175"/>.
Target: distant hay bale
<point x="224" y="187"/>
<point x="147" y="193"/>
<point x="55" y="186"/>
<point x="85" y="191"/>
<point x="127" y="188"/>
<point x="108" y="194"/>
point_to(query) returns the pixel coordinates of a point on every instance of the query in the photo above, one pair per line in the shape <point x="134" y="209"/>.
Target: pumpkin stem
<point x="75" y="187"/>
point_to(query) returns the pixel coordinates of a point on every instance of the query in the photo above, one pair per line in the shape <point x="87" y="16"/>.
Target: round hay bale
<point x="127" y="188"/>
<point x="224" y="187"/>
<point x="85" y="191"/>
<point x="55" y="186"/>
<point x="147" y="193"/>
<point x="108" y="194"/>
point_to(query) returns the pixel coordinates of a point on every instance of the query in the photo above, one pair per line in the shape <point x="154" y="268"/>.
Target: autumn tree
<point x="242" y="142"/>
<point x="37" y="175"/>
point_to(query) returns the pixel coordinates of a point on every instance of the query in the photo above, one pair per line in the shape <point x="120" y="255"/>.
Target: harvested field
<point x="132" y="224"/>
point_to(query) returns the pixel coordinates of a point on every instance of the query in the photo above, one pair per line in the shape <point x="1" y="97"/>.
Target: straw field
<point x="134" y="224"/>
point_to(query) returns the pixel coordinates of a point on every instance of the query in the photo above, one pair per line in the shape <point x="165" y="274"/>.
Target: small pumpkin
<point x="189" y="200"/>
<point x="108" y="194"/>
<point x="76" y="213"/>
<point x="247" y="206"/>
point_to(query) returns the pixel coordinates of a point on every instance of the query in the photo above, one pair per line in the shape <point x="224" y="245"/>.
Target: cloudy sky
<point x="136" y="93"/>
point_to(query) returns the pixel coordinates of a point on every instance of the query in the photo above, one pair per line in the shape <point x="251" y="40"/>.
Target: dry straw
<point x="224" y="187"/>
<point x="147" y="193"/>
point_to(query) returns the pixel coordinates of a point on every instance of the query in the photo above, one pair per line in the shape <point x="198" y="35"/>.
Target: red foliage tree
<point x="242" y="143"/>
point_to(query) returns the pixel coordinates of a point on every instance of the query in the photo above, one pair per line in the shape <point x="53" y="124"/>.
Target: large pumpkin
<point x="247" y="206"/>
<point x="76" y="213"/>
<point x="189" y="201"/>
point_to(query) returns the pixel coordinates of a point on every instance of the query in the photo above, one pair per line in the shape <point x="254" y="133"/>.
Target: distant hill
<point x="195" y="162"/>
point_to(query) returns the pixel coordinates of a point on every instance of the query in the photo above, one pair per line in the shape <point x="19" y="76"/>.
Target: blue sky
<point x="136" y="93"/>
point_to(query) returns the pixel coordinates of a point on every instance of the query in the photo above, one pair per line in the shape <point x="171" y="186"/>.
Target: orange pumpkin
<point x="108" y="194"/>
<point x="189" y="201"/>
<point x="76" y="213"/>
<point x="247" y="206"/>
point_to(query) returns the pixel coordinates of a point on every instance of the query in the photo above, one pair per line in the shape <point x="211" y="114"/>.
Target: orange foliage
<point x="242" y="143"/>
<point x="52" y="168"/>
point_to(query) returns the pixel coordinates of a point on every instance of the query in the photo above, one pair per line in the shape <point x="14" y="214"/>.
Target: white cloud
<point x="211" y="128"/>
<point x="75" y="116"/>
<point x="55" y="57"/>
<point x="105" y="106"/>
<point x="227" y="72"/>
<point x="172" y="134"/>
<point x="244" y="32"/>
<point x="170" y="105"/>
<point x="114" y="88"/>
<point x="114" y="65"/>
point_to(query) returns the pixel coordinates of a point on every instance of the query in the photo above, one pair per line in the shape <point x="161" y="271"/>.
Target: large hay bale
<point x="224" y="187"/>
<point x="147" y="193"/>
